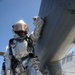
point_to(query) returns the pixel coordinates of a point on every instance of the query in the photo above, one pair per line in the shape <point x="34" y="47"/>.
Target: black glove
<point x="31" y="55"/>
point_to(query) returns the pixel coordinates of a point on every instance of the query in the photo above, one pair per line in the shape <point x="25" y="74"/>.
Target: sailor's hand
<point x="38" y="21"/>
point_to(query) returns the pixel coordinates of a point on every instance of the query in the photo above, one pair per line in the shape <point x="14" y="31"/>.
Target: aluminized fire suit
<point x="27" y="63"/>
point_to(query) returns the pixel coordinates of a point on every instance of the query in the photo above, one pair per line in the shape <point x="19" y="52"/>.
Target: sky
<point x="10" y="12"/>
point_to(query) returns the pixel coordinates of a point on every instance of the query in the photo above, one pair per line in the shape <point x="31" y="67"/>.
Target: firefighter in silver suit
<point x="20" y="57"/>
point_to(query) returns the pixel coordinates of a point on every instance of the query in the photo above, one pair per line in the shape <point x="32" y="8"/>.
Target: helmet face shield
<point x="21" y="33"/>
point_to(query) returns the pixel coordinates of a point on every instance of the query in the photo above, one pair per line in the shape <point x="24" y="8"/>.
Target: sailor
<point x="20" y="54"/>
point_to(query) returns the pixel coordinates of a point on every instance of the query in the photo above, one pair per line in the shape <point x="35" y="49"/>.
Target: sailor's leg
<point x="33" y="66"/>
<point x="32" y="71"/>
<point x="25" y="67"/>
<point x="45" y="71"/>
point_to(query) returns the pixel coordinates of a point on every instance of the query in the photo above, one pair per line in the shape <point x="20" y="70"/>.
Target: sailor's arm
<point x="7" y="59"/>
<point x="38" y="23"/>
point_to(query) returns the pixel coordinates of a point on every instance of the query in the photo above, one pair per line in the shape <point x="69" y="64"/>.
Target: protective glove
<point x="38" y="21"/>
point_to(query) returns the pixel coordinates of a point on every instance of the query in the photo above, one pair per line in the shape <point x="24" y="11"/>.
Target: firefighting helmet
<point x="20" y="29"/>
